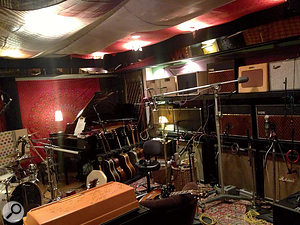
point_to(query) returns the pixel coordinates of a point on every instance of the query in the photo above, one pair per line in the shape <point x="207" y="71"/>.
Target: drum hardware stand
<point x="216" y="87"/>
<point x="189" y="148"/>
<point x="51" y="171"/>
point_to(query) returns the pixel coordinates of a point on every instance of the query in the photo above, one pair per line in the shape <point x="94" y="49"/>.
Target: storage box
<point x="94" y="206"/>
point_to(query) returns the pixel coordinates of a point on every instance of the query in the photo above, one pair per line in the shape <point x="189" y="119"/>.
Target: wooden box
<point x="94" y="206"/>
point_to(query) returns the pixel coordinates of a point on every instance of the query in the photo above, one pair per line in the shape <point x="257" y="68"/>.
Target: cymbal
<point x="26" y="158"/>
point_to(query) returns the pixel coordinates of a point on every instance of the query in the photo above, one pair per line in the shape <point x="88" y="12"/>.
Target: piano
<point x="104" y="112"/>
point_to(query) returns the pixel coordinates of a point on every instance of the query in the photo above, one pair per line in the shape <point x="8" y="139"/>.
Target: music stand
<point x="216" y="87"/>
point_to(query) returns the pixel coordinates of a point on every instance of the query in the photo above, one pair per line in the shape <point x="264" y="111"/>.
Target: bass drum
<point x="28" y="194"/>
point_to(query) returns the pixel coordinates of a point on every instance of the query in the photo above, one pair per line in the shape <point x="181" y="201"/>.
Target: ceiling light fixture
<point x="135" y="36"/>
<point x="136" y="45"/>
<point x="191" y="25"/>
<point x="47" y="23"/>
<point x="98" y="55"/>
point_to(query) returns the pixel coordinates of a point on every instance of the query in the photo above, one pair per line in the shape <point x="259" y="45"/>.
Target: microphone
<point x="155" y="105"/>
<point x="242" y="79"/>
<point x="4" y="108"/>
<point x="267" y="125"/>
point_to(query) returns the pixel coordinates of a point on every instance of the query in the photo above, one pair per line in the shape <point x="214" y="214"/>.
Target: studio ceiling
<point x="56" y="28"/>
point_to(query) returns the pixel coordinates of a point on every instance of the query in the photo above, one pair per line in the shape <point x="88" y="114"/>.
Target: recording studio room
<point x="178" y="113"/>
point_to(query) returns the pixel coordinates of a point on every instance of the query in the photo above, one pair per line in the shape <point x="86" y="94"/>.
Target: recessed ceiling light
<point x="135" y="36"/>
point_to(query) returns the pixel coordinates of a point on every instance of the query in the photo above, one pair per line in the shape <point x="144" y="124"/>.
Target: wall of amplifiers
<point x="263" y="77"/>
<point x="246" y="118"/>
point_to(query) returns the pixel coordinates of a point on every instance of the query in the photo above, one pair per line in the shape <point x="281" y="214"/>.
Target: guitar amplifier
<point x="281" y="70"/>
<point x="220" y="72"/>
<point x="283" y="120"/>
<point x="236" y="120"/>
<point x="287" y="211"/>
<point x="258" y="78"/>
<point x="161" y="85"/>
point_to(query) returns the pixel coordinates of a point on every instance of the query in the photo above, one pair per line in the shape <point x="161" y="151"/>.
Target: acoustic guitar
<point x="134" y="132"/>
<point x="131" y="153"/>
<point x="116" y="161"/>
<point x="124" y="159"/>
<point x="107" y="163"/>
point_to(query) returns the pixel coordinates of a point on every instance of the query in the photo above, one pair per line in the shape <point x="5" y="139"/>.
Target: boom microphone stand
<point x="216" y="87"/>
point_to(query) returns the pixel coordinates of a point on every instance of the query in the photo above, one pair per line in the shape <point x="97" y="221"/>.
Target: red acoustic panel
<point x="221" y="76"/>
<point x="40" y="99"/>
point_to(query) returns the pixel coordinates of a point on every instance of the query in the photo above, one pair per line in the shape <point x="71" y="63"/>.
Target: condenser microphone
<point x="5" y="107"/>
<point x="243" y="79"/>
<point x="267" y="125"/>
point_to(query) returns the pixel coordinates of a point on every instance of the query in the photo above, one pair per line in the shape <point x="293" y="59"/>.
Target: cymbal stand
<point x="51" y="170"/>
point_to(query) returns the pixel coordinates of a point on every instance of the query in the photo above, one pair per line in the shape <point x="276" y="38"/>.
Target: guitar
<point x="159" y="194"/>
<point x="135" y="132"/>
<point x="131" y="153"/>
<point x="124" y="159"/>
<point x="116" y="161"/>
<point x="107" y="164"/>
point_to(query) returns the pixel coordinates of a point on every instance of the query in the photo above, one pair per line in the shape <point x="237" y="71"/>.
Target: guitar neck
<point x="191" y="192"/>
<point x="106" y="142"/>
<point x="132" y="133"/>
<point x="100" y="137"/>
<point x="117" y="138"/>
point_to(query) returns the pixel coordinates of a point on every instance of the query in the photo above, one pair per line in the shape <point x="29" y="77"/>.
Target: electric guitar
<point x="124" y="159"/>
<point x="160" y="193"/>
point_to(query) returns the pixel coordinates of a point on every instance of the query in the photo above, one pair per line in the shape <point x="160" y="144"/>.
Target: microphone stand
<point x="99" y="119"/>
<point x="216" y="87"/>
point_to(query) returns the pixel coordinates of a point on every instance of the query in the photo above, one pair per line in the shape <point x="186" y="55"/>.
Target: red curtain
<point x="40" y="99"/>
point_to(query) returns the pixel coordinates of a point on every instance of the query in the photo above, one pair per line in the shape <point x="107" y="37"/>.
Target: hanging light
<point x="58" y="116"/>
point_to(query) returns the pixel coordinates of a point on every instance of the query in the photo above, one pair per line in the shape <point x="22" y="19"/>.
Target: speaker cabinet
<point x="284" y="120"/>
<point x="161" y="85"/>
<point x="287" y="211"/>
<point x="237" y="170"/>
<point x="286" y="184"/>
<point x="190" y="80"/>
<point x="236" y="120"/>
<point x="280" y="71"/>
<point x="220" y="72"/>
<point x="258" y="78"/>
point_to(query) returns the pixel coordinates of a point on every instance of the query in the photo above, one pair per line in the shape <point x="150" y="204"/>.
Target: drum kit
<point x="19" y="182"/>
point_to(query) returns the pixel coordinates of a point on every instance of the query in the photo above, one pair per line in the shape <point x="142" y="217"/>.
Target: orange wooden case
<point x="258" y="78"/>
<point x="94" y="206"/>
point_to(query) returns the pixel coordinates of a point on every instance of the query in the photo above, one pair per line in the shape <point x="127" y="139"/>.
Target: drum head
<point x="28" y="194"/>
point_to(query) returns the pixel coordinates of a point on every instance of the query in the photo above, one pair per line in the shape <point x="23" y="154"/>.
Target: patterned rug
<point x="232" y="212"/>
